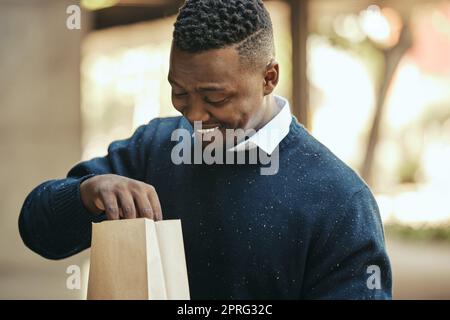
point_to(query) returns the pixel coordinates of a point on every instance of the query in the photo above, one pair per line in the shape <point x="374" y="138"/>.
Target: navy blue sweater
<point x="310" y="231"/>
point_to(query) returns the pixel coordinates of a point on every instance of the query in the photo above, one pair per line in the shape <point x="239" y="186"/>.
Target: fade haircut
<point x="203" y="25"/>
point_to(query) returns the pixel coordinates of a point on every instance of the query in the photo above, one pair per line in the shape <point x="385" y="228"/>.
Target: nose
<point x="196" y="111"/>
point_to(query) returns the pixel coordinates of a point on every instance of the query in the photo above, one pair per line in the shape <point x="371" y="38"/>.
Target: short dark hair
<point x="215" y="24"/>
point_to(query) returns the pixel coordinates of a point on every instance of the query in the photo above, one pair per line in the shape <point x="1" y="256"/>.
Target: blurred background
<point x="370" y="79"/>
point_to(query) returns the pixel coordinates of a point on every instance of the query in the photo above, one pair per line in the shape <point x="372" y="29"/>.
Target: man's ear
<point x="271" y="76"/>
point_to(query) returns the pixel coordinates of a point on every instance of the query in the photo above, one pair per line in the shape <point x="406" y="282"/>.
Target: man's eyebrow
<point x="210" y="88"/>
<point x="172" y="81"/>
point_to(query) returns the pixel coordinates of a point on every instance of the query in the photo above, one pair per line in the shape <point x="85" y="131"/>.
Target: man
<point x="310" y="229"/>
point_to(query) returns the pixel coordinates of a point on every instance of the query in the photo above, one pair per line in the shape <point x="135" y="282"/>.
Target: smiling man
<point x="311" y="230"/>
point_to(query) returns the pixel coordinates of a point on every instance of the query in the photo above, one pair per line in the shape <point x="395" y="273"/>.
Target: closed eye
<point x="216" y="102"/>
<point x="182" y="94"/>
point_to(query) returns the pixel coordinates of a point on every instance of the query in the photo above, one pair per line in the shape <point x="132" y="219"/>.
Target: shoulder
<point x="164" y="123"/>
<point x="160" y="129"/>
<point x="335" y="193"/>
<point x="320" y="171"/>
<point x="334" y="198"/>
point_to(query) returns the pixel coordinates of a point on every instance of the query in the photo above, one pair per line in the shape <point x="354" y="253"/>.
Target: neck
<point x="271" y="109"/>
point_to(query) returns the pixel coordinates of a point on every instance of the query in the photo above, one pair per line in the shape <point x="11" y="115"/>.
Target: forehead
<point x="212" y="66"/>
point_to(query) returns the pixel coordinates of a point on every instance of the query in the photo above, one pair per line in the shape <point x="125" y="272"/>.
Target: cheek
<point x="177" y="104"/>
<point x="243" y="111"/>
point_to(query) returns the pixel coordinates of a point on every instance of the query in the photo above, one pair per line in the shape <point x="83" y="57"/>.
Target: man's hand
<point x="120" y="197"/>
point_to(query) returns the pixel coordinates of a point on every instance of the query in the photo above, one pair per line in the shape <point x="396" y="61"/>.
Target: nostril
<point x="196" y="113"/>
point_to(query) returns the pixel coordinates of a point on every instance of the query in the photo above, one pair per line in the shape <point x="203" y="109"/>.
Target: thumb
<point x="99" y="204"/>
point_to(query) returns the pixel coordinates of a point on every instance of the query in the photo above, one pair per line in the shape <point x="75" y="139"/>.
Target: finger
<point x="121" y="214"/>
<point x="156" y="205"/>
<point x="127" y="205"/>
<point x="98" y="203"/>
<point x="110" y="205"/>
<point x="143" y="206"/>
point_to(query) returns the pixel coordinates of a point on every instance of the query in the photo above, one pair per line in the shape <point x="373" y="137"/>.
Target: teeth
<point x="203" y="131"/>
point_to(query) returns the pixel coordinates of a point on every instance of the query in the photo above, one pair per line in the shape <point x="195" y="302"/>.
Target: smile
<point x="204" y="131"/>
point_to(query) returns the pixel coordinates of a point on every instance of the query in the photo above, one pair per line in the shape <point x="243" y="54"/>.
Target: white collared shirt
<point x="269" y="137"/>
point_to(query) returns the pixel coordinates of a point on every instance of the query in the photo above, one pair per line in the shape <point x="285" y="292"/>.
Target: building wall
<point x="39" y="132"/>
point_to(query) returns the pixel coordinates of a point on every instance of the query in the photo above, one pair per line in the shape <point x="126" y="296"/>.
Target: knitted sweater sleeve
<point x="352" y="262"/>
<point x="53" y="221"/>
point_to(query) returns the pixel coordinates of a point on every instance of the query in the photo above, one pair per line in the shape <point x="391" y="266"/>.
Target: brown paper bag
<point x="137" y="259"/>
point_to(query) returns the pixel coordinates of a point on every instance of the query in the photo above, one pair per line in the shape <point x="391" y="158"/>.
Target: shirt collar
<point x="269" y="137"/>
